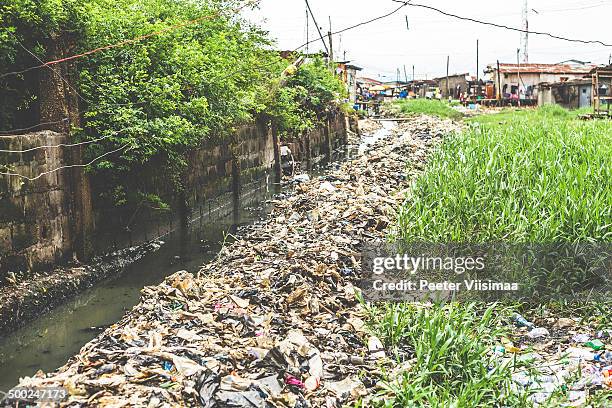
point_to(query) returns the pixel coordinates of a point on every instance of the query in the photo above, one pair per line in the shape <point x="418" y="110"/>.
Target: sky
<point x="386" y="45"/>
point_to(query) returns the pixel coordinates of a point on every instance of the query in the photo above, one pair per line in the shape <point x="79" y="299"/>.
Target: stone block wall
<point x="35" y="220"/>
<point x="34" y="215"/>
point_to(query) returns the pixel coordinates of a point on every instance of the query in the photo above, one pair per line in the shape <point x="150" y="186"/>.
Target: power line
<point x="358" y="24"/>
<point x="334" y="33"/>
<point x="557" y="37"/>
<point x="55" y="146"/>
<point x="65" y="167"/>
<point x="317" y="25"/>
<point x="12" y="133"/>
<point x="129" y="41"/>
<point x="67" y="82"/>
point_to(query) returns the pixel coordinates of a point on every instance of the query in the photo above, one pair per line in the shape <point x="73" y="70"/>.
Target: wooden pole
<point x="447" y="84"/>
<point x="477" y="69"/>
<point x="499" y="90"/>
<point x="317" y="26"/>
<point x="518" y="72"/>
<point x="331" y="46"/>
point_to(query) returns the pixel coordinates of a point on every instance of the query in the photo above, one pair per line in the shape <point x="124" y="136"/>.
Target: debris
<point x="538" y="332"/>
<point x="520" y="321"/>
<point x="301" y="178"/>
<point x="327" y="186"/>
<point x="595" y="344"/>
<point x="349" y="388"/>
<point x="273" y="320"/>
<point x="565" y="322"/>
<point x="581" y="338"/>
<point x="376" y="347"/>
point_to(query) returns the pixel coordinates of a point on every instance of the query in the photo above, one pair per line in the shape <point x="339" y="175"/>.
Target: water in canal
<point x="48" y="342"/>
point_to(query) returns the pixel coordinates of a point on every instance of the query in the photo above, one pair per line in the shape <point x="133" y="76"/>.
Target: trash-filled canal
<point x="49" y="341"/>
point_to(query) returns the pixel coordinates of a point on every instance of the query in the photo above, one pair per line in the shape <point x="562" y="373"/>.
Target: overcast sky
<point x="383" y="46"/>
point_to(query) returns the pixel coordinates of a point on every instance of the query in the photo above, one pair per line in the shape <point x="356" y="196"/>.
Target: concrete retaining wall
<point x="35" y="221"/>
<point x="34" y="215"/>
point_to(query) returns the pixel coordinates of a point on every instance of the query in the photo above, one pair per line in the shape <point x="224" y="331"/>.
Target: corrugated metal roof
<point x="546" y="68"/>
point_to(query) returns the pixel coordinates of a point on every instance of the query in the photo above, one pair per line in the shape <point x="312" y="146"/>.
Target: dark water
<point x="48" y="342"/>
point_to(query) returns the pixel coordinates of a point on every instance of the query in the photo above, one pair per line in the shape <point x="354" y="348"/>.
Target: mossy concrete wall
<point x="36" y="222"/>
<point x="34" y="215"/>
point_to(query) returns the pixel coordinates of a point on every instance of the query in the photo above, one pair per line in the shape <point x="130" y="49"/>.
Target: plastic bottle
<point x="520" y="321"/>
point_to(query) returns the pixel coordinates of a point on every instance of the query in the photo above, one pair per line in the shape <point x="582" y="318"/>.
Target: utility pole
<point x="405" y="74"/>
<point x="331" y="46"/>
<point x="413" y="73"/>
<point x="477" y="69"/>
<point x="518" y="72"/>
<point x="307" y="32"/>
<point x="447" y="84"/>
<point x="499" y="90"/>
<point x="318" y="28"/>
<point x="526" y="32"/>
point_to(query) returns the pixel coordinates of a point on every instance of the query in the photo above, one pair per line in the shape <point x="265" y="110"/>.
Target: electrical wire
<point x="67" y="82"/>
<point x="15" y="132"/>
<point x="389" y="14"/>
<point x="131" y="40"/>
<point x="557" y="37"/>
<point x="55" y="146"/>
<point x="317" y="26"/>
<point x="317" y="39"/>
<point x="64" y="167"/>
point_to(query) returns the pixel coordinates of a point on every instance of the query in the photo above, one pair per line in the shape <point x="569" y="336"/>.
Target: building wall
<point x="34" y="215"/>
<point x="569" y="96"/>
<point x="531" y="80"/>
<point x="351" y="83"/>
<point x="454" y="81"/>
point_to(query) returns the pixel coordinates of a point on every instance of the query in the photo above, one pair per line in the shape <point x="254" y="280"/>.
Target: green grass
<point x="537" y="175"/>
<point x="449" y="350"/>
<point x="519" y="176"/>
<point x="426" y="107"/>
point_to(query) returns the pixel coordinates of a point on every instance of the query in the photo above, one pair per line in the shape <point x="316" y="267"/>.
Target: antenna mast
<point x="525" y="39"/>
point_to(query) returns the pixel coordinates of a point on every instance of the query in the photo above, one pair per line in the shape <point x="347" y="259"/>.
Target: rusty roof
<point x="546" y="68"/>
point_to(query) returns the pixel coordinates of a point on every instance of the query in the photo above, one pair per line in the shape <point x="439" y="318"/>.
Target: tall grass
<point x="531" y="176"/>
<point x="450" y="353"/>
<point x="536" y="175"/>
<point x="425" y="106"/>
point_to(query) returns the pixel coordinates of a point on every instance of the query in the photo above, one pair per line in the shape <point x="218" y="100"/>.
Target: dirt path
<point x="274" y="318"/>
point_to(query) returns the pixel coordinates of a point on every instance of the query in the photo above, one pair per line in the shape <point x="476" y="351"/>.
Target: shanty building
<point x="569" y="94"/>
<point x="520" y="81"/>
<point x="348" y="73"/>
<point x="457" y="84"/>
<point x="601" y="80"/>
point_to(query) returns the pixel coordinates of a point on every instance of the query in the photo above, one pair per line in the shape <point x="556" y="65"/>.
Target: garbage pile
<point x="369" y="126"/>
<point x="273" y="321"/>
<point x="568" y="358"/>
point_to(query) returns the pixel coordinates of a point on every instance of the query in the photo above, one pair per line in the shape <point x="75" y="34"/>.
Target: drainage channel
<point x="49" y="341"/>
